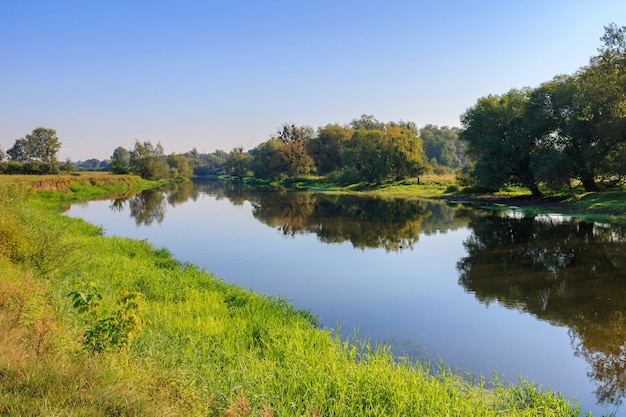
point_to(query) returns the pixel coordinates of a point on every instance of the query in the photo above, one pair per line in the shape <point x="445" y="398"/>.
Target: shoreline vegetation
<point x="99" y="326"/>
<point x="606" y="206"/>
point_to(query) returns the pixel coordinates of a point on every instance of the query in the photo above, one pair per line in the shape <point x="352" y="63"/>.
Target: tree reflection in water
<point x="394" y="225"/>
<point x="151" y="205"/>
<point x="565" y="271"/>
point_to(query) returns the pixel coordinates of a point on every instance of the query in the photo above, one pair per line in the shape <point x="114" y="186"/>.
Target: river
<point x="484" y="292"/>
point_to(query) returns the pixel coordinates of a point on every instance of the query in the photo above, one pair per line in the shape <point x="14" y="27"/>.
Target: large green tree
<point x="500" y="140"/>
<point x="580" y="119"/>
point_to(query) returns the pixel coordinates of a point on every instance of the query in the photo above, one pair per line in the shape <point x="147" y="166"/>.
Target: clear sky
<point x="226" y="73"/>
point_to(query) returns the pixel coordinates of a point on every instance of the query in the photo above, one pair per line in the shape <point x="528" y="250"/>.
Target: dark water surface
<point x="539" y="297"/>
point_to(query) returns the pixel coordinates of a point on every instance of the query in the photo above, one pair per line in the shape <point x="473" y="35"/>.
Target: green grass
<point x="427" y="186"/>
<point x="206" y="348"/>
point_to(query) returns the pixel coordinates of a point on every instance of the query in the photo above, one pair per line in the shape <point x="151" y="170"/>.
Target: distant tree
<point x="92" y="164"/>
<point x="44" y="145"/>
<point x="67" y="166"/>
<point x="180" y="166"/>
<point x="367" y="122"/>
<point x="406" y="154"/>
<point x="442" y="146"/>
<point x="120" y="161"/>
<point x="270" y="159"/>
<point x="375" y="156"/>
<point x="289" y="133"/>
<point x="3" y="155"/>
<point x="285" y="154"/>
<point x="238" y="163"/>
<point x="207" y="164"/>
<point x="215" y="161"/>
<point x="148" y="161"/>
<point x="299" y="162"/>
<point x="326" y="148"/>
<point x="19" y="151"/>
<point x="39" y="149"/>
<point x="364" y="159"/>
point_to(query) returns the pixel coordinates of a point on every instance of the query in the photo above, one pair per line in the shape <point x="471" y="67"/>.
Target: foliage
<point x="376" y="156"/>
<point x="572" y="127"/>
<point x="297" y="160"/>
<point x="37" y="152"/>
<point x="107" y="331"/>
<point x="180" y="166"/>
<point x="238" y="163"/>
<point x="368" y="151"/>
<point x="207" y="164"/>
<point x="148" y="161"/>
<point x="367" y="122"/>
<point x="93" y="164"/>
<point x="120" y="161"/>
<point x="500" y="141"/>
<point x="270" y="159"/>
<point x="327" y="147"/>
<point x="442" y="146"/>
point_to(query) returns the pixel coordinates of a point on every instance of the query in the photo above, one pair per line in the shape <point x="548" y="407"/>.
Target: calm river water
<point x="485" y="292"/>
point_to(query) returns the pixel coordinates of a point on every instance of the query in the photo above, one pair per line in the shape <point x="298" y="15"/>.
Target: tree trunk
<point x="536" y="192"/>
<point x="590" y="184"/>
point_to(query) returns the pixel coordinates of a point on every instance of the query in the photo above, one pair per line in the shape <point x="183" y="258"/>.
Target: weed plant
<point x="205" y="348"/>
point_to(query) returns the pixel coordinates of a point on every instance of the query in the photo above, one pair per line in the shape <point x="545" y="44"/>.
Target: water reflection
<point x="394" y="225"/>
<point x="564" y="271"/>
<point x="150" y="206"/>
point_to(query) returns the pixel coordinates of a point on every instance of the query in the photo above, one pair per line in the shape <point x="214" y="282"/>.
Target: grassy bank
<point x="106" y="326"/>
<point x="608" y="205"/>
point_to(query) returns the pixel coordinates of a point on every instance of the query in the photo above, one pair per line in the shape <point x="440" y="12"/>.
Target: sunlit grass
<point x="207" y="348"/>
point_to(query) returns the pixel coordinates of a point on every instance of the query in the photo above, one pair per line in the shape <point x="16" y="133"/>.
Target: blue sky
<point x="220" y="74"/>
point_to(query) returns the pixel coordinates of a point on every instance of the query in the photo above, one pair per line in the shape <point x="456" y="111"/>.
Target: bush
<point x="113" y="330"/>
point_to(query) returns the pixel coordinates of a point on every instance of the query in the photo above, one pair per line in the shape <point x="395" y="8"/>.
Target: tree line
<point x="365" y="150"/>
<point x="572" y="127"/>
<point x="36" y="153"/>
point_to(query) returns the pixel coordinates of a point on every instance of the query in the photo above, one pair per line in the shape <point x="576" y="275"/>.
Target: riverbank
<point x="143" y="334"/>
<point x="606" y="206"/>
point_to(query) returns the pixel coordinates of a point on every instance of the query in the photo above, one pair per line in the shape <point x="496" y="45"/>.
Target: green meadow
<point x="106" y="326"/>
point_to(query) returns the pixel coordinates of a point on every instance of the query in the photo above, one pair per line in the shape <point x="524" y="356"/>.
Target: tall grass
<point x="206" y="349"/>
